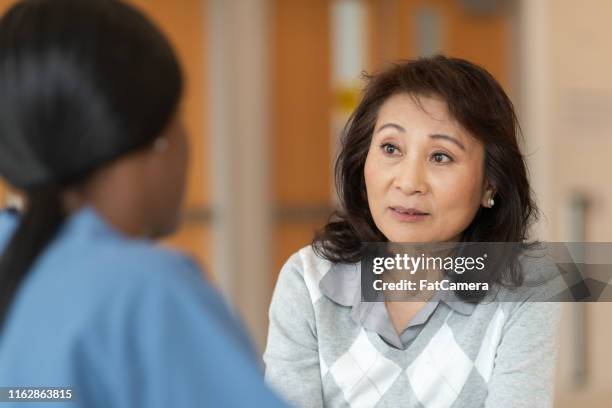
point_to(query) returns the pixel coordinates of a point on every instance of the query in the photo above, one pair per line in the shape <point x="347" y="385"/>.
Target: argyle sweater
<point x="320" y="354"/>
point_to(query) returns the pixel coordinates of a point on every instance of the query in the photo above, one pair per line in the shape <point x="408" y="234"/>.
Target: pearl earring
<point x="491" y="202"/>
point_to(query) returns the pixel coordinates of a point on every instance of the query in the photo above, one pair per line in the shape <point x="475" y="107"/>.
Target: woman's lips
<point x="408" y="214"/>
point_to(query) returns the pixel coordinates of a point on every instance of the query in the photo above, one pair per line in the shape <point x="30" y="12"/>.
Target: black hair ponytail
<point x="37" y="227"/>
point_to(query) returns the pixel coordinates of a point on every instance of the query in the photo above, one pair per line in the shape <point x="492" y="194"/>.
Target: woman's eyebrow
<point x="449" y="138"/>
<point x="391" y="125"/>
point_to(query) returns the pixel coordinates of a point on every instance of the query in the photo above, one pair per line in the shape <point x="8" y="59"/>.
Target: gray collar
<point x="342" y="285"/>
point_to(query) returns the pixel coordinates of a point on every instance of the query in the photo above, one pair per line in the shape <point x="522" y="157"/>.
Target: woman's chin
<point x="411" y="239"/>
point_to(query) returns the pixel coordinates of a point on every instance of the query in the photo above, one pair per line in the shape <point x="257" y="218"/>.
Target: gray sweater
<point x="328" y="348"/>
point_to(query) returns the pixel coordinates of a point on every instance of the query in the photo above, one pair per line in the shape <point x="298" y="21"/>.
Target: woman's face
<point x="424" y="173"/>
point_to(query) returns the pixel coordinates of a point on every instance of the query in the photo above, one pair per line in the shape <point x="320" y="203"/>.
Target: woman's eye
<point x="441" y="158"/>
<point x="389" y="149"/>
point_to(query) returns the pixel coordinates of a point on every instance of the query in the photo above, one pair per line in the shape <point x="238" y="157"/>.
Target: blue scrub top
<point x="124" y="323"/>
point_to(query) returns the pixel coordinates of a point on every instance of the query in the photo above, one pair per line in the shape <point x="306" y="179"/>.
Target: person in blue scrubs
<point x="91" y="134"/>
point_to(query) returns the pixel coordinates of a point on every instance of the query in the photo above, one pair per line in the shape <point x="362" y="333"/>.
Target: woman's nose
<point x="411" y="177"/>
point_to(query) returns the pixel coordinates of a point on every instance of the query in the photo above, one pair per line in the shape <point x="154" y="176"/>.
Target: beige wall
<point x="566" y="101"/>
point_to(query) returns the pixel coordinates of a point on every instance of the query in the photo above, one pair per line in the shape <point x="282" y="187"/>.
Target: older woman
<point x="430" y="155"/>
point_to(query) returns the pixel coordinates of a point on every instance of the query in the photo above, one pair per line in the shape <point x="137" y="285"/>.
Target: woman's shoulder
<point x="307" y="271"/>
<point x="140" y="264"/>
<point x="542" y="279"/>
<point x="307" y="262"/>
<point x="147" y="282"/>
<point x="303" y="272"/>
<point x="537" y="261"/>
<point x="105" y="264"/>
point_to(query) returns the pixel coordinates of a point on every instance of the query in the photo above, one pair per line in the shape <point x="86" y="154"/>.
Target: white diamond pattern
<point x="440" y="371"/>
<point x="363" y="373"/>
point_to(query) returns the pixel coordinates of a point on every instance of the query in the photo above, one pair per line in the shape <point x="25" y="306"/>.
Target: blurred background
<point x="270" y="84"/>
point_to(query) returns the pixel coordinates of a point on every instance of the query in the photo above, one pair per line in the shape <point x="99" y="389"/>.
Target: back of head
<point x="83" y="83"/>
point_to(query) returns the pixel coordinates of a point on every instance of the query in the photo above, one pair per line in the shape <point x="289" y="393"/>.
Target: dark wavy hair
<point x="480" y="105"/>
<point x="82" y="83"/>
